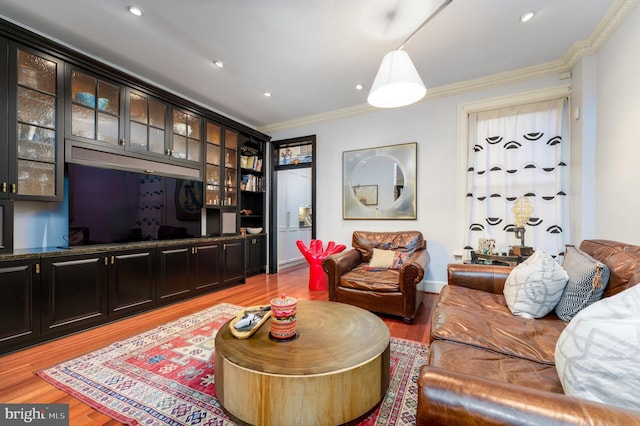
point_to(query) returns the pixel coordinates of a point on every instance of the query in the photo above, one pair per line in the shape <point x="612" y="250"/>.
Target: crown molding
<point x="616" y="14"/>
<point x="609" y="23"/>
<point x="493" y="80"/>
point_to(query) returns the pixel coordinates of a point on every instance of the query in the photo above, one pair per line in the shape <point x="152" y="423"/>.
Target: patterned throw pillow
<point x="588" y="279"/>
<point x="534" y="287"/>
<point x="400" y="257"/>
<point x="596" y="354"/>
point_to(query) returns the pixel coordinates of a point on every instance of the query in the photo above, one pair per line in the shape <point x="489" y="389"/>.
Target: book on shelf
<point x="251" y="162"/>
<point x="252" y="183"/>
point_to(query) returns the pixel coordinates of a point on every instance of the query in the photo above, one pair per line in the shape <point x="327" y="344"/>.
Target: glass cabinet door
<point x="37" y="121"/>
<point x="95" y="109"/>
<point x="212" y="166"/>
<point x="230" y="168"/>
<point x="186" y="136"/>
<point x="147" y="124"/>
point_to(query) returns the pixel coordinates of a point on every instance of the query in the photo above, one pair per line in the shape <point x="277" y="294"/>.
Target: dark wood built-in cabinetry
<point x="74" y="290"/>
<point x="252" y="202"/>
<point x="113" y="125"/>
<point x="59" y="106"/>
<point x="233" y="259"/>
<point x="131" y="277"/>
<point x="19" y="303"/>
<point x="255" y="254"/>
<point x="252" y="185"/>
<point x="207" y="266"/>
<point x="81" y="290"/>
<point x="221" y="180"/>
<point x="174" y="280"/>
<point x="30" y="144"/>
<point x="59" y="292"/>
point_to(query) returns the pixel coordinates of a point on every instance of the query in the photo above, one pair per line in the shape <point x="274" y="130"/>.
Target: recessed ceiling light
<point x="267" y="94"/>
<point x="526" y="16"/>
<point x="218" y="64"/>
<point x="359" y="86"/>
<point x="134" y="10"/>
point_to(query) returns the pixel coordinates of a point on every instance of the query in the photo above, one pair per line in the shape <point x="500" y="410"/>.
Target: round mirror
<point x="377" y="182"/>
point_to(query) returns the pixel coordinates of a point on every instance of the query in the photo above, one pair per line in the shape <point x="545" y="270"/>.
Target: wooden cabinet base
<point x="335" y="372"/>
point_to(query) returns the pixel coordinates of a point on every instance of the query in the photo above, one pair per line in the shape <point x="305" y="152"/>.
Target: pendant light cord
<point x="429" y="18"/>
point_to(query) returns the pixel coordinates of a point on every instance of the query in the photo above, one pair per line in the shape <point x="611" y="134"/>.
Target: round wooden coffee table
<point x="336" y="371"/>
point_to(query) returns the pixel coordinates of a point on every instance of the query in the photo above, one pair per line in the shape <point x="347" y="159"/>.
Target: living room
<point x="602" y="89"/>
<point x="604" y="102"/>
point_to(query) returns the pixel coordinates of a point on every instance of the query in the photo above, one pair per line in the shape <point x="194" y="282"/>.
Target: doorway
<point x="292" y="200"/>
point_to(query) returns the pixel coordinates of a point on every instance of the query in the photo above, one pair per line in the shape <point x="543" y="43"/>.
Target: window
<point x="516" y="150"/>
<point x="295" y="154"/>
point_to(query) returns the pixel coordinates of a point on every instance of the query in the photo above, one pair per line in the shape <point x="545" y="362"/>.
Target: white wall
<point x="582" y="121"/>
<point x="618" y="135"/>
<point x="433" y="125"/>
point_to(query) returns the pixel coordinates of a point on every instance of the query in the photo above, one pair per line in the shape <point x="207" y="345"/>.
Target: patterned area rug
<point x="166" y="376"/>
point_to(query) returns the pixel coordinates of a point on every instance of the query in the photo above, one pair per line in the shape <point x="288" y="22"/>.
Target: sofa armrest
<point x="450" y="398"/>
<point x="412" y="272"/>
<point x="489" y="278"/>
<point x="337" y="265"/>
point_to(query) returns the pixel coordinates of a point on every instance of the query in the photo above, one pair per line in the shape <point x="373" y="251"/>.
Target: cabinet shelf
<point x="251" y="171"/>
<point x="252" y="186"/>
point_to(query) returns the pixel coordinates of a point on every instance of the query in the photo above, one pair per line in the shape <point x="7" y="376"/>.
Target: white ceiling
<point x="308" y="53"/>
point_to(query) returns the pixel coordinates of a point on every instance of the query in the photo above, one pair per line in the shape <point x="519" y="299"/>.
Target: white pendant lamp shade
<point x="397" y="82"/>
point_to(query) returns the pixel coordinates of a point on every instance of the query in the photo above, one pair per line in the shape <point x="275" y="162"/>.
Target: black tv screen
<point x="115" y="206"/>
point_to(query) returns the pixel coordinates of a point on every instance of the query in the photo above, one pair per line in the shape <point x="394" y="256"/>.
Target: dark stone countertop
<point x="40" y="252"/>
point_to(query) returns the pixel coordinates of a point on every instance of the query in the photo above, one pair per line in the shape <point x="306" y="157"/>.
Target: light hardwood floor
<point x="19" y="383"/>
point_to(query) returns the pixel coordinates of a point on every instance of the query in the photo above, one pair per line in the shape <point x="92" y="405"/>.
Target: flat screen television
<point x="116" y="206"/>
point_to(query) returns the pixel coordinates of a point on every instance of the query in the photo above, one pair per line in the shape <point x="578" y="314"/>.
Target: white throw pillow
<point x="381" y="258"/>
<point x="534" y="287"/>
<point x="597" y="353"/>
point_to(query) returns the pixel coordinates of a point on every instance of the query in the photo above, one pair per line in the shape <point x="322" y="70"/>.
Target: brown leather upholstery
<point x="489" y="367"/>
<point x="386" y="291"/>
<point x="449" y="398"/>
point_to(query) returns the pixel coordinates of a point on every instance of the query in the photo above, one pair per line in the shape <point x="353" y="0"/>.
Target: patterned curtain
<point x="151" y="205"/>
<point x="519" y="151"/>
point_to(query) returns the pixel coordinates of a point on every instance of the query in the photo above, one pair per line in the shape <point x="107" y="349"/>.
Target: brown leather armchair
<point x="383" y="290"/>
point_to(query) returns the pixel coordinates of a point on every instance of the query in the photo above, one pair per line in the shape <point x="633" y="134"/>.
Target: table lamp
<point x="522" y="211"/>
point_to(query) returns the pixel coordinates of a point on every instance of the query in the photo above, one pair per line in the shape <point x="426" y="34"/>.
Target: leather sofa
<point x="383" y="290"/>
<point x="489" y="367"/>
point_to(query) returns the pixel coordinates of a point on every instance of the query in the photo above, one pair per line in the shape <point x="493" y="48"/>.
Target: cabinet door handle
<point x="3" y="187"/>
<point x="14" y="189"/>
<point x="122" y="141"/>
<point x="37" y="268"/>
<point x="113" y="260"/>
<point x="106" y="260"/>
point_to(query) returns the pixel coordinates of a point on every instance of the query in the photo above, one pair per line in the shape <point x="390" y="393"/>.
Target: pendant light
<point x="397" y="82"/>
